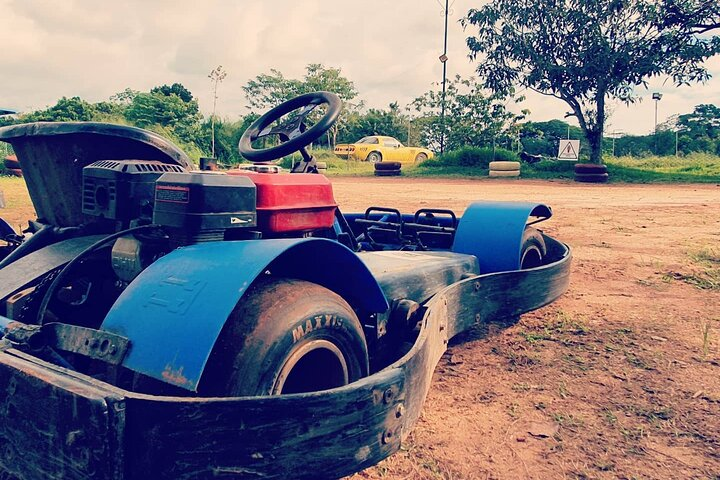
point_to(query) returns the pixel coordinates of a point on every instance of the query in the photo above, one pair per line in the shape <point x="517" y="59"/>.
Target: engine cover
<point x="202" y="206"/>
<point x="122" y="190"/>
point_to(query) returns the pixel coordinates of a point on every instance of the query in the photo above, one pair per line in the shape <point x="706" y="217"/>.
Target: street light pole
<point x="656" y="96"/>
<point x="443" y="59"/>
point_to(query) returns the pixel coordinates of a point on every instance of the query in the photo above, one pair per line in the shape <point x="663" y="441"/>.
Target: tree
<point x="168" y="111"/>
<point x="270" y="90"/>
<point x="388" y="122"/>
<point x="174" y="89"/>
<point x="472" y="117"/>
<point x="72" y="109"/>
<point x="216" y="76"/>
<point x="586" y="52"/>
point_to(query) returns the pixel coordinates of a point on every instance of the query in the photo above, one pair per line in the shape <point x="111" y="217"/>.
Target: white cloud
<point x="389" y="49"/>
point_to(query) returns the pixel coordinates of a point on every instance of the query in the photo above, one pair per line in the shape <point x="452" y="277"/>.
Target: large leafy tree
<point x="585" y="52"/>
<point x="167" y="109"/>
<point x="472" y="117"/>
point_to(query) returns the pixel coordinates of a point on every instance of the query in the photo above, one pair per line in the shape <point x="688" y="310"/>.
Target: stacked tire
<point x="504" y="169"/>
<point x="387" y="169"/>
<point x="590" y="173"/>
<point x="12" y="166"/>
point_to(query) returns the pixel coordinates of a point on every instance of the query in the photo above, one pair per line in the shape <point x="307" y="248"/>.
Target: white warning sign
<point x="569" y="150"/>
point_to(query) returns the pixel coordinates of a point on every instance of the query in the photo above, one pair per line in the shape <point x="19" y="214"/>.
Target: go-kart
<point x="162" y="322"/>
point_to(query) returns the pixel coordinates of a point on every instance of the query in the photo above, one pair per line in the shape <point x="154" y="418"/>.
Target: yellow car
<point x="377" y="148"/>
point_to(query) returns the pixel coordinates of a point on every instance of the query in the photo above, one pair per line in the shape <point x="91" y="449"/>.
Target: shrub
<point x="471" y="157"/>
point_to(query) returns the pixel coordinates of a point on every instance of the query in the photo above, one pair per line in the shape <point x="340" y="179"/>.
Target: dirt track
<point x="615" y="380"/>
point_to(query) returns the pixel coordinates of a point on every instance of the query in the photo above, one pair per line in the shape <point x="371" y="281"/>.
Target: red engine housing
<point x="298" y="202"/>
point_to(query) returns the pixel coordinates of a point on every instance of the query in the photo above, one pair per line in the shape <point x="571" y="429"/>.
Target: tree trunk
<point x="594" y="137"/>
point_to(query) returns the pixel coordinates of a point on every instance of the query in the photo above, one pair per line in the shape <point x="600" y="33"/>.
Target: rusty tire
<point x="533" y="249"/>
<point x="286" y="336"/>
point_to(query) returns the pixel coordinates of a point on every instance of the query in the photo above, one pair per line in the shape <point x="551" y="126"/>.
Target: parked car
<point x="377" y="148"/>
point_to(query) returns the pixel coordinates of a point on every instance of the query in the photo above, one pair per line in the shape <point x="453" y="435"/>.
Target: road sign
<point x="569" y="150"/>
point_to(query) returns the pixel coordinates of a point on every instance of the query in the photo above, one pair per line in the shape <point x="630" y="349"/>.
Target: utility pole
<point x="443" y="59"/>
<point x="216" y="76"/>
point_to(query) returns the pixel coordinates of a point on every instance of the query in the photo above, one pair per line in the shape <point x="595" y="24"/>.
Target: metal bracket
<point x="88" y="342"/>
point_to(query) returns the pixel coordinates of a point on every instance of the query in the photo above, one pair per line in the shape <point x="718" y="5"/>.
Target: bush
<point x="471" y="157"/>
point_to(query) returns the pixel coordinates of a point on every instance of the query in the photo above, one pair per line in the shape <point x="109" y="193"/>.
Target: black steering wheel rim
<point x="293" y="144"/>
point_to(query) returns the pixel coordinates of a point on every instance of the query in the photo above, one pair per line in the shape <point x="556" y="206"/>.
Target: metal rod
<point x="442" y="110"/>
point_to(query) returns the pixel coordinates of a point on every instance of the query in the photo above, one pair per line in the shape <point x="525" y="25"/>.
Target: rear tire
<point x="374" y="157"/>
<point x="286" y="336"/>
<point x="533" y="249"/>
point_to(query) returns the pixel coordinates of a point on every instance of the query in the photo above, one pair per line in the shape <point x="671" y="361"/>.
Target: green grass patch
<point x="694" y="168"/>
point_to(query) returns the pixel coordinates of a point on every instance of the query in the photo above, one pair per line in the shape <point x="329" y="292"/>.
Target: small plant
<point x="705" y="332"/>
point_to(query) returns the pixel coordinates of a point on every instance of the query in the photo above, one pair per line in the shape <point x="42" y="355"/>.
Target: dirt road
<point x="618" y="379"/>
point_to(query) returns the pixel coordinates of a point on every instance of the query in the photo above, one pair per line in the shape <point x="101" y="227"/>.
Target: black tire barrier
<point x="590" y="168"/>
<point x="387" y="173"/>
<point x="12" y="163"/>
<point x="16" y="172"/>
<point x="591" y="177"/>
<point x="388" y="166"/>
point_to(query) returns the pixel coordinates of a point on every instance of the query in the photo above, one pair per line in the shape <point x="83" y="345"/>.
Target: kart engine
<point x="191" y="207"/>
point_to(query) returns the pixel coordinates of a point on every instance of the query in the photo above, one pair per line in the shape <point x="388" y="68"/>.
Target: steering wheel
<point x="293" y="133"/>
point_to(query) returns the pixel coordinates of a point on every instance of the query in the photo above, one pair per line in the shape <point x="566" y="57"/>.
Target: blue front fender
<point x="5" y="228"/>
<point x="493" y="231"/>
<point x="174" y="310"/>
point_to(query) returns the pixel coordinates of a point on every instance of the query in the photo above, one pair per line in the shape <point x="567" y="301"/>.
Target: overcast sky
<point x="389" y="48"/>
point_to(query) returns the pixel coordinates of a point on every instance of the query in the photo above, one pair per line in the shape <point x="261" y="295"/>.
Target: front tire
<point x="286" y="336"/>
<point x="421" y="157"/>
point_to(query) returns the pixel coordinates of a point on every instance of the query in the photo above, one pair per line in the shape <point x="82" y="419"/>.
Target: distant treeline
<point x="472" y="119"/>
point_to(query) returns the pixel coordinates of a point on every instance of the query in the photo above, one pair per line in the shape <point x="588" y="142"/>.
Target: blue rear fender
<point x="493" y="232"/>
<point x="174" y="311"/>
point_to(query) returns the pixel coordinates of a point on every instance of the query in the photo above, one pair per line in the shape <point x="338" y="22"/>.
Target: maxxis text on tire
<point x="590" y="168"/>
<point x="503" y="166"/>
<point x="591" y="177"/>
<point x="387" y="173"/>
<point x="504" y="173"/>
<point x="388" y="166"/>
<point x="286" y="336"/>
